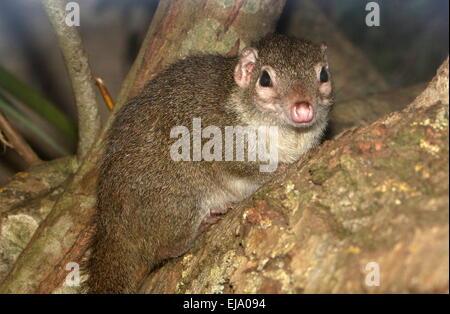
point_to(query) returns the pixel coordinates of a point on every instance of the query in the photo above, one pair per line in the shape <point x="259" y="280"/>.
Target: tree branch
<point x="83" y="84"/>
<point x="36" y="182"/>
<point x="18" y="142"/>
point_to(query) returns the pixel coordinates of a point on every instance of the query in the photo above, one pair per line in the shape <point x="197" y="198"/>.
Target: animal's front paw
<point x="214" y="216"/>
<point x="208" y="221"/>
<point x="220" y="211"/>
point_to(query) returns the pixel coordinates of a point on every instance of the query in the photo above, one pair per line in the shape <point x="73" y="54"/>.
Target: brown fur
<point x="150" y="207"/>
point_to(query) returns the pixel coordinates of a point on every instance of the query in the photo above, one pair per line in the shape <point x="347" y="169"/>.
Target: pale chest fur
<point x="291" y="146"/>
<point x="231" y="191"/>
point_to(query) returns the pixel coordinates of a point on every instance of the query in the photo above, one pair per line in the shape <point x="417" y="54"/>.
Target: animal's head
<point x="285" y="79"/>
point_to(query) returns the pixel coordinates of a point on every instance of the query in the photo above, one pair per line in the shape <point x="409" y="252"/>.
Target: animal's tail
<point x="114" y="266"/>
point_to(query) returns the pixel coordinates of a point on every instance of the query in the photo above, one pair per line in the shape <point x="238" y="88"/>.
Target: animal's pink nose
<point x="302" y="112"/>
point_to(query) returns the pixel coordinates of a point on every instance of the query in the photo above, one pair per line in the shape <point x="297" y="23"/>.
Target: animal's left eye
<point x="265" y="79"/>
<point x="323" y="75"/>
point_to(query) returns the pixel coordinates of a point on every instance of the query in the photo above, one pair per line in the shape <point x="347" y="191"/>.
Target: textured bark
<point x="437" y="91"/>
<point x="375" y="194"/>
<point x="25" y="201"/>
<point x="63" y="235"/>
<point x="37" y="181"/>
<point x="18" y="225"/>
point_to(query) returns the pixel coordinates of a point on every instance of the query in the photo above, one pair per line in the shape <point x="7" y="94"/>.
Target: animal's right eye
<point x="323" y="75"/>
<point x="265" y="80"/>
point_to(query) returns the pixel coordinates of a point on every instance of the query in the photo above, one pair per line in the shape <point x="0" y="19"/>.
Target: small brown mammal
<point x="150" y="207"/>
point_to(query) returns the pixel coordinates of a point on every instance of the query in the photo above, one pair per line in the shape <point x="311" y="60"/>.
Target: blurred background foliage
<point x="35" y="92"/>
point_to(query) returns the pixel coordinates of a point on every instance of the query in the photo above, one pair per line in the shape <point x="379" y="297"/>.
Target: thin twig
<point x="18" y="142"/>
<point x="4" y="141"/>
<point x="105" y="93"/>
<point x="80" y="75"/>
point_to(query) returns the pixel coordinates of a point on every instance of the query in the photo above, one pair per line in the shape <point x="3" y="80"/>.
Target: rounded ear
<point x="246" y="64"/>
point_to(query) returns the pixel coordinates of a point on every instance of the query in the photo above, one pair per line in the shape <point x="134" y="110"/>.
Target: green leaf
<point x="38" y="103"/>
<point x="11" y="112"/>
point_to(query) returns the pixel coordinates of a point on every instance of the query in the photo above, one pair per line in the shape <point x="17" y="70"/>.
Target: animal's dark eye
<point x="323" y="75"/>
<point x="265" y="80"/>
